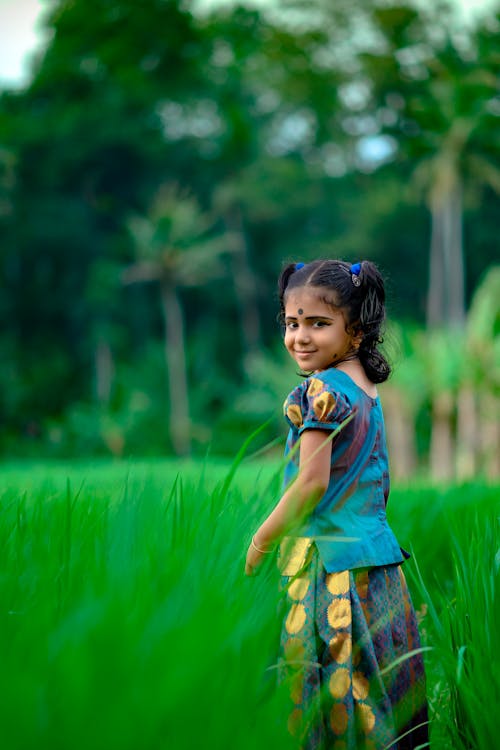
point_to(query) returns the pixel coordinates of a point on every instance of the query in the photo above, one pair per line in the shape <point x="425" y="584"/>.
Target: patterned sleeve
<point x="315" y="405"/>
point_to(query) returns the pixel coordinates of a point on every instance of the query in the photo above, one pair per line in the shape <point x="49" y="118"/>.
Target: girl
<point x="349" y="633"/>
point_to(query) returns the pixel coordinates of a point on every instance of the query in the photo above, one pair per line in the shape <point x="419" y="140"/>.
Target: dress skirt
<point x="348" y="658"/>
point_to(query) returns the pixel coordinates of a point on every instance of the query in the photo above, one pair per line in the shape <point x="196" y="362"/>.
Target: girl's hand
<point x="255" y="557"/>
<point x="253" y="561"/>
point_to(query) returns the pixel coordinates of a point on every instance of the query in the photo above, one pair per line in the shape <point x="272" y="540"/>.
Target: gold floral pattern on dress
<point x="360" y="686"/>
<point x="314" y="402"/>
<point x="294" y="414"/>
<point x="323" y="401"/>
<point x="295" y="619"/>
<point x="333" y="702"/>
<point x="323" y="406"/>
<point x="316" y="386"/>
<point x="340" y="682"/>
<point x="338" y="718"/>
<point x="365" y="716"/>
<point x="293" y="554"/>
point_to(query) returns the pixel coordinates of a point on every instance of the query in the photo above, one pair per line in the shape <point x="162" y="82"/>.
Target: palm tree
<point x="229" y="199"/>
<point x="454" y="162"/>
<point x="478" y="418"/>
<point x="440" y="353"/>
<point x="175" y="249"/>
<point x="438" y="99"/>
<point x="402" y="398"/>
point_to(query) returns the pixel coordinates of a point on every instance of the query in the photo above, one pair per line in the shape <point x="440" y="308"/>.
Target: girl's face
<point x="315" y="333"/>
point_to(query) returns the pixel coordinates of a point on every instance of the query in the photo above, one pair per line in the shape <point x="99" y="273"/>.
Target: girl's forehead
<point x="310" y="300"/>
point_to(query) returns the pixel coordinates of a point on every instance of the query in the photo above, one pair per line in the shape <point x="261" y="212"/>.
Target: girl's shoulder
<point x="313" y="385"/>
<point x="344" y="383"/>
<point x="330" y="379"/>
<point x="320" y="398"/>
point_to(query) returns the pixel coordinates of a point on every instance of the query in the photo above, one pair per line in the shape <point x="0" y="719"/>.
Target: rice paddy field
<point x="126" y="621"/>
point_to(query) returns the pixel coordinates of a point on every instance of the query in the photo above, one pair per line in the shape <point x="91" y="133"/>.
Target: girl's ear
<point x="357" y="334"/>
<point x="355" y="330"/>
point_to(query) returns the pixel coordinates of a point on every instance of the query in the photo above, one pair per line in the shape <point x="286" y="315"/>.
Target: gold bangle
<point x="262" y="551"/>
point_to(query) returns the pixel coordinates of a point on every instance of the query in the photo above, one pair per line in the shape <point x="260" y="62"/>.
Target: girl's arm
<point x="300" y="498"/>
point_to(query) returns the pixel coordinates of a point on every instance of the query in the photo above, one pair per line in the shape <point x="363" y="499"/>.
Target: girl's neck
<point x="353" y="367"/>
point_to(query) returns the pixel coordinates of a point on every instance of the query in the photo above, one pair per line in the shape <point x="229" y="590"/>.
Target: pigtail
<point x="283" y="280"/>
<point x="371" y="319"/>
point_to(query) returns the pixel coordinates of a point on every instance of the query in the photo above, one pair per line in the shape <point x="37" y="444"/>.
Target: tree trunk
<point x="490" y="433"/>
<point x="441" y="449"/>
<point x="445" y="300"/>
<point x="435" y="297"/>
<point x="454" y="255"/>
<point x="245" y="284"/>
<point x="400" y="424"/>
<point x="104" y="370"/>
<point x="175" y="357"/>
<point x="467" y="433"/>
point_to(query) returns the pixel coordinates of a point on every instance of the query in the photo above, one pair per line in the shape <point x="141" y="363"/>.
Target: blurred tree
<point x="478" y="425"/>
<point x="402" y="397"/>
<point x="435" y="89"/>
<point x="175" y="249"/>
<point x="274" y="107"/>
<point x="88" y="146"/>
<point x="276" y="124"/>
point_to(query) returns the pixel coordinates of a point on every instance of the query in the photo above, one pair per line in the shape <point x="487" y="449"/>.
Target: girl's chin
<point x="306" y="363"/>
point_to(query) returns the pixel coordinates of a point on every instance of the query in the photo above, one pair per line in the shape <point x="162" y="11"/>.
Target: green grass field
<point x="126" y="621"/>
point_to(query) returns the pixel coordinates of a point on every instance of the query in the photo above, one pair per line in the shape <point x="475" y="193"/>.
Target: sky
<point x="18" y="38"/>
<point x="20" y="35"/>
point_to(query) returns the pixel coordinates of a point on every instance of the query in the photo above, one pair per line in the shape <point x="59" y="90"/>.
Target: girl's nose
<point x="303" y="334"/>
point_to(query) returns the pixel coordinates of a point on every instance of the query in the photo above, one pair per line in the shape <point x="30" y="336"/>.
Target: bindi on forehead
<point x="307" y="302"/>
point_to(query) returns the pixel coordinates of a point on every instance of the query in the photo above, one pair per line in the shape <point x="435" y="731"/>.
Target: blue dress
<point x="347" y="611"/>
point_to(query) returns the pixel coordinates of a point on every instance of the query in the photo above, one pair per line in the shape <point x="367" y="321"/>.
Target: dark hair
<point x="363" y="304"/>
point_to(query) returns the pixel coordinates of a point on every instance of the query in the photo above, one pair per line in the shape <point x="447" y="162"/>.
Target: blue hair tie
<point x="355" y="271"/>
<point x="298" y="266"/>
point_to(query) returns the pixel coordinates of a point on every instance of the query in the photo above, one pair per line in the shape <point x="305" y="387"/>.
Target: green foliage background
<point x="293" y="132"/>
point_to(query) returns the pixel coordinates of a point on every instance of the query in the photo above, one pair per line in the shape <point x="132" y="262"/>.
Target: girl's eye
<point x="291" y="326"/>
<point x="320" y="324"/>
